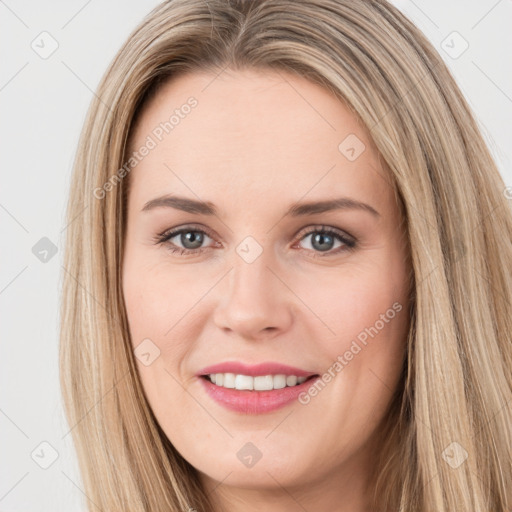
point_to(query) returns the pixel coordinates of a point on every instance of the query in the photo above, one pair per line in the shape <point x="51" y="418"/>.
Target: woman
<point x="287" y="277"/>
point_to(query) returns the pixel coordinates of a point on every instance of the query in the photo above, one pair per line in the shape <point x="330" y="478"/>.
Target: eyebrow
<point x="300" y="209"/>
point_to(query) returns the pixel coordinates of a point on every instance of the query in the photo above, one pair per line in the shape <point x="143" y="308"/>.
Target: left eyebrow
<point x="300" y="209"/>
<point x="341" y="203"/>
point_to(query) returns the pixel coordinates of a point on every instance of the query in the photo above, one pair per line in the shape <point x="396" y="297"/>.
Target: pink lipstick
<point x="255" y="389"/>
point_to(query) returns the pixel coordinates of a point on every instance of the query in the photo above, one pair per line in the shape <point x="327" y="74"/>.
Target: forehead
<point x="261" y="132"/>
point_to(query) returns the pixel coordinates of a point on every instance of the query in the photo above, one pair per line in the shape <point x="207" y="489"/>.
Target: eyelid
<point x="172" y="232"/>
<point x="323" y="228"/>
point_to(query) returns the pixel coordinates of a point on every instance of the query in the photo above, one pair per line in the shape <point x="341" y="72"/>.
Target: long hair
<point x="449" y="444"/>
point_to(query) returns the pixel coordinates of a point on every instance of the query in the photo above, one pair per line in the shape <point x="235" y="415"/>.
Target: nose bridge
<point x="255" y="300"/>
<point x="250" y="279"/>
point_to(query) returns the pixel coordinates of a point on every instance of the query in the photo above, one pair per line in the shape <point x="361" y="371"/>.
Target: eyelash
<point x="350" y="244"/>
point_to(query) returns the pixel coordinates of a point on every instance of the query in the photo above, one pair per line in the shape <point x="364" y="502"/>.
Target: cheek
<point x="158" y="297"/>
<point x="363" y="360"/>
<point x="159" y="304"/>
<point x="355" y="300"/>
<point x="366" y="309"/>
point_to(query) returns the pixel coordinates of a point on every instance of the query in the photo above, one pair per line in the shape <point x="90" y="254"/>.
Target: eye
<point x="323" y="239"/>
<point x="189" y="237"/>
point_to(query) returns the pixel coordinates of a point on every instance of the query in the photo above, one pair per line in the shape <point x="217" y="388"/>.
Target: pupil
<point x="321" y="239"/>
<point x="195" y="238"/>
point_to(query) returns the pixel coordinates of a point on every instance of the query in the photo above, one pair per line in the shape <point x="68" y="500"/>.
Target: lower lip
<point x="255" y="402"/>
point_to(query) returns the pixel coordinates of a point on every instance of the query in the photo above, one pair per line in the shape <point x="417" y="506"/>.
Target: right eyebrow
<point x="181" y="203"/>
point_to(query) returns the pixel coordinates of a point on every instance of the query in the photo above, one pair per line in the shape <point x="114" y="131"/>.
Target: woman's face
<point x="246" y="174"/>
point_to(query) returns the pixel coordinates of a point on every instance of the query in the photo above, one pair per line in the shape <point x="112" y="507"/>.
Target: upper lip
<point x="267" y="368"/>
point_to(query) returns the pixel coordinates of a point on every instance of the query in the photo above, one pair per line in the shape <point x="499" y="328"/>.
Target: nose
<point x="254" y="304"/>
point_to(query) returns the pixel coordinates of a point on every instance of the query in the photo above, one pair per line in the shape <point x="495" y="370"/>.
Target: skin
<point x="257" y="143"/>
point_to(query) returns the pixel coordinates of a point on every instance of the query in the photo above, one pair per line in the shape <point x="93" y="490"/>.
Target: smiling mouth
<point x="257" y="383"/>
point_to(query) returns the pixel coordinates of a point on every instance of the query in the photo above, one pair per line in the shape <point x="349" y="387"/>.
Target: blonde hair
<point x="457" y="384"/>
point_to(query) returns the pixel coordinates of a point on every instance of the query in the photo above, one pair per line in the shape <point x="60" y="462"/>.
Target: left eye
<point x="322" y="240"/>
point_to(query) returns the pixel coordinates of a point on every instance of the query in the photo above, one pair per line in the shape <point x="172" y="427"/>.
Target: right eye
<point x="190" y="238"/>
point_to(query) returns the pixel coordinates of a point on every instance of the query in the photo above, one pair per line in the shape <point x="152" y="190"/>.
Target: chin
<point x="251" y="468"/>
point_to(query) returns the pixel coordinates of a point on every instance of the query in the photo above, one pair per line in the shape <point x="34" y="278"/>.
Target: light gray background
<point x="43" y="102"/>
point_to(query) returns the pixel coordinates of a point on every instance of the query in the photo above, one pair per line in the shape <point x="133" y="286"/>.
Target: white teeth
<point x="259" y="383"/>
<point x="264" y="383"/>
<point x="279" y="381"/>
<point x="229" y="380"/>
<point x="244" y="382"/>
<point x="291" y="380"/>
